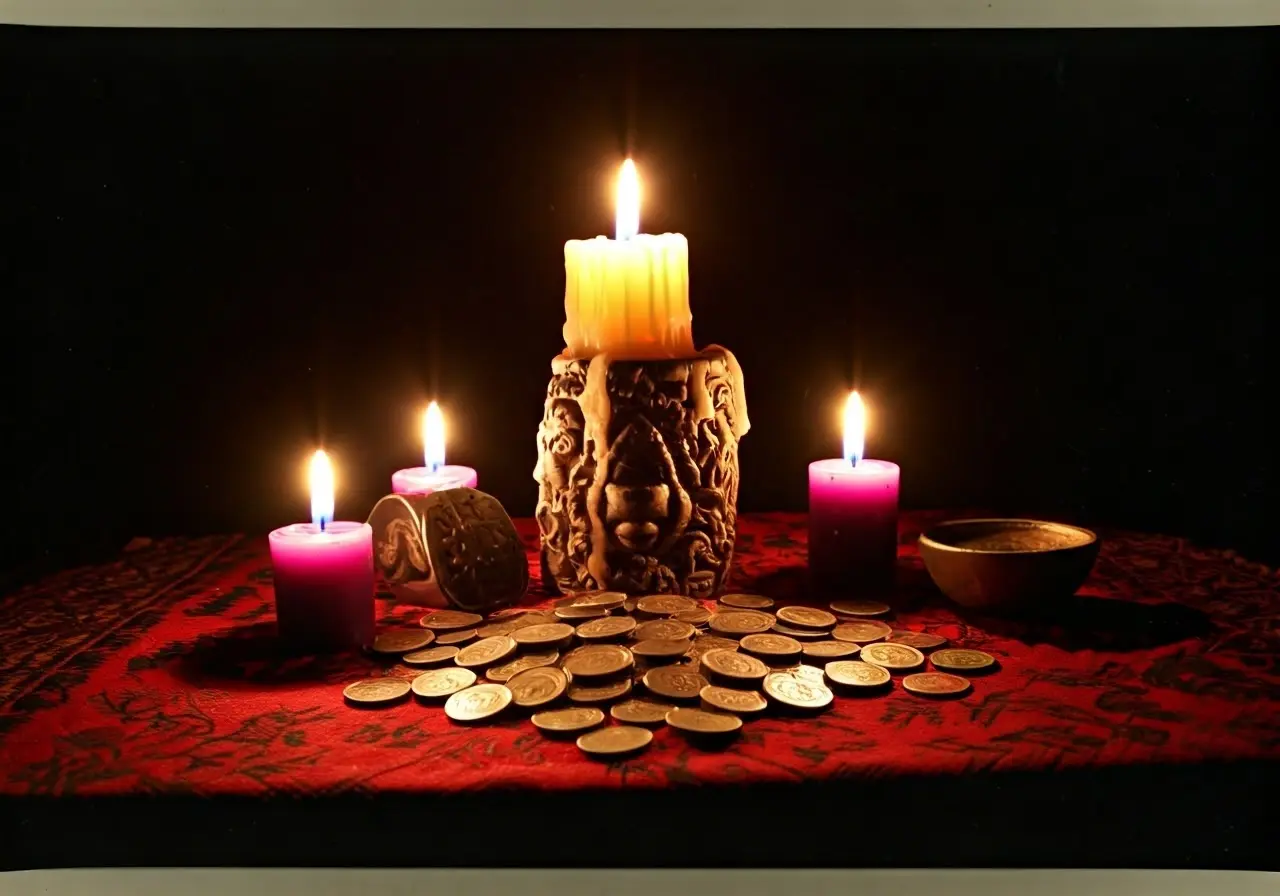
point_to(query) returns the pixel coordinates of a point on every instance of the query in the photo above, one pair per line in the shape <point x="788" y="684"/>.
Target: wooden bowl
<point x="1007" y="564"/>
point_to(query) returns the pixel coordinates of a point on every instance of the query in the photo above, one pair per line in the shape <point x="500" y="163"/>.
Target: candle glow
<point x="433" y="437"/>
<point x="855" y="428"/>
<point x="628" y="202"/>
<point x="321" y="490"/>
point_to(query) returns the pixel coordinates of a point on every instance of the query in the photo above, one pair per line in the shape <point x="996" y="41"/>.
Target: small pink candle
<point x="853" y="516"/>
<point x="436" y="475"/>
<point x="323" y="574"/>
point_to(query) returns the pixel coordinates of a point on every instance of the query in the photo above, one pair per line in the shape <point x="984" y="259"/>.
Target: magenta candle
<point x="436" y="475"/>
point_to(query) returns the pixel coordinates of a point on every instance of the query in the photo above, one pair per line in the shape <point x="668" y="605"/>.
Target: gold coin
<point x="806" y="617"/>
<point x="892" y="656"/>
<point x="447" y="620"/>
<point x="537" y="686"/>
<point x="674" y="683"/>
<point x="562" y="721"/>
<point x="432" y="656"/>
<point x="615" y="740"/>
<point x="459" y="637"/>
<point x="376" y="690"/>
<point x="831" y="650"/>
<point x="665" y="604"/>
<point x="580" y="611"/>
<point x="641" y="712"/>
<point x="609" y="627"/>
<point x="741" y="622"/>
<point x="493" y="629"/>
<point x="703" y="643"/>
<point x="661" y="648"/>
<point x="519" y="664"/>
<point x="693" y="617"/>
<point x="959" y="659"/>
<point x="732" y="700"/>
<point x="747" y="601"/>
<point x="859" y="608"/>
<point x="609" y="600"/>
<point x="486" y="653"/>
<point x="480" y="701"/>
<point x="598" y="660"/>
<point x="771" y="646"/>
<point x="629" y="605"/>
<point x="861" y="632"/>
<point x="403" y="640"/>
<point x="811" y="674"/>
<point x="701" y="721"/>
<point x="599" y="693"/>
<point x="918" y="640"/>
<point x="442" y="682"/>
<point x="800" y="634"/>
<point x="543" y="635"/>
<point x="733" y="665"/>
<point x="935" y="684"/>
<point x="664" y="630"/>
<point x="856" y="674"/>
<point x="796" y="692"/>
<point x="531" y="617"/>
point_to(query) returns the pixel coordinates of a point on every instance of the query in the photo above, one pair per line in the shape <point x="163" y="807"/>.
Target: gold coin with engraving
<point x="487" y="652"/>
<point x="519" y="664"/>
<point x="493" y="629"/>
<point x="935" y="684"/>
<point x="372" y="691"/>
<point x="732" y="700"/>
<point x="563" y="721"/>
<point x="609" y="600"/>
<point x="545" y="635"/>
<point x="703" y="643"/>
<point x="448" y="620"/>
<point x="701" y="721"/>
<point x="432" y="656"/>
<point x="531" y="617"/>
<point x="537" y="686"/>
<point x="831" y="650"/>
<point x="663" y="630"/>
<point x="605" y="692"/>
<point x="575" y="612"/>
<point x="662" y="648"/>
<point x="800" y="634"/>
<point x="892" y="656"/>
<point x="796" y="692"/>
<point x="598" y="661"/>
<point x="674" y="683"/>
<point x="856" y="674"/>
<point x="615" y="741"/>
<point x="693" y="617"/>
<point x="747" y="601"/>
<point x="480" y="701"/>
<point x="401" y="640"/>
<point x="811" y="674"/>
<point x="861" y="632"/>
<point x="741" y="622"/>
<point x="606" y="628"/>
<point x="770" y="646"/>
<point x="859" y="608"/>
<point x="462" y="636"/>
<point x="959" y="659"/>
<point x="738" y="667"/>
<point x="665" y="604"/>
<point x="639" y="711"/>
<point x="805" y="617"/>
<point x="442" y="682"/>
<point x="918" y="640"/>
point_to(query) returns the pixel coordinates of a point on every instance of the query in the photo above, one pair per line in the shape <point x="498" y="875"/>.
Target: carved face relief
<point x="561" y="441"/>
<point x="645" y="504"/>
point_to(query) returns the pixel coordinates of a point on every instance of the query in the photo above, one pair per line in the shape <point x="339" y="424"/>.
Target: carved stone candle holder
<point x="638" y="473"/>
<point x="453" y="548"/>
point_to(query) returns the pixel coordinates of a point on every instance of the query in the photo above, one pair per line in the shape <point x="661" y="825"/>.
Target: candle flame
<point x="628" y="201"/>
<point x="321" y="490"/>
<point x="855" y="428"/>
<point x="433" y="437"/>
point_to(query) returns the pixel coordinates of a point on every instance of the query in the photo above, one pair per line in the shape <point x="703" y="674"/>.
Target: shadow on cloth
<point x="1095" y="623"/>
<point x="253" y="656"/>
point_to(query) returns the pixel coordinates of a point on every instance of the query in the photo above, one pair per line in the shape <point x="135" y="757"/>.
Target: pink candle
<point x="436" y="475"/>
<point x="323" y="574"/>
<point x="853" y="516"/>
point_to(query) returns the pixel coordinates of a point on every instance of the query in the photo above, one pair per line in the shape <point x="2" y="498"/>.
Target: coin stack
<point x="608" y="669"/>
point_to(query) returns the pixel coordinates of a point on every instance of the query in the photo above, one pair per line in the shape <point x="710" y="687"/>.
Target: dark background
<point x="1044" y="258"/>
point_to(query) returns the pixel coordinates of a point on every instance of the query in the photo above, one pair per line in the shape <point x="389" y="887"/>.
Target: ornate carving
<point x="638" y="473"/>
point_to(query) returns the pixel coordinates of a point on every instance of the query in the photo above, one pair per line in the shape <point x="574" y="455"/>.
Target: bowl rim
<point x="925" y="537"/>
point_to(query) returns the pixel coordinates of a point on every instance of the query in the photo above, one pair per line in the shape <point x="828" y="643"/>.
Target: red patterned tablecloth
<point x="156" y="674"/>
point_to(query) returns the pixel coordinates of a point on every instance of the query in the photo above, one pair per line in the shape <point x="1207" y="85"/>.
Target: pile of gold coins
<point x="660" y="660"/>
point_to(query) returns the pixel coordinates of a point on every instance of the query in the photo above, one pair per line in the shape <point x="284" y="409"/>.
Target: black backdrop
<point x="1043" y="258"/>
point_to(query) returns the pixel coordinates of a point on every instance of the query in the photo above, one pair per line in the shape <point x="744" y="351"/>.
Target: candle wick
<point x="322" y="524"/>
<point x="434" y="467"/>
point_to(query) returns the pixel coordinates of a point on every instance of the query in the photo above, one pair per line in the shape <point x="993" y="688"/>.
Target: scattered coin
<point x="580" y="611"/>
<point x="403" y="640"/>
<point x="598" y="661"/>
<point x="461" y="636"/>
<point x="859" y="608"/>
<point x="918" y="640"/>
<point x="609" y="627"/>
<point x="442" y="682"/>
<point x="693" y="617"/>
<point x="599" y="693"/>
<point x="935" y="684"/>
<point x="811" y="674"/>
<point x="830" y="650"/>
<point x="701" y="721"/>
<point x="664" y="629"/>
<point x="641" y="712"/>
<point x="800" y="634"/>
<point x="562" y="721"/>
<point x="665" y="604"/>
<point x="373" y="691"/>
<point x="432" y="656"/>
<point x="747" y="601"/>
<point x="892" y="656"/>
<point x="856" y="674"/>
<point x="806" y="617"/>
<point x="537" y="686"/>
<point x="447" y="620"/>
<point x="486" y="652"/>
<point x="480" y="701"/>
<point x="703" y="643"/>
<point x="741" y="622"/>
<point x="737" y="667"/>
<point x="861" y="632"/>
<point x="544" y="635"/>
<point x="531" y="617"/>
<point x="661" y="648"/>
<point x="674" y="683"/>
<point x="493" y="629"/>
<point x="797" y="693"/>
<point x="609" y="600"/>
<point x="959" y="659"/>
<point x="519" y="664"/>
<point x="615" y="740"/>
<point x="771" y="646"/>
<point x="732" y="700"/>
